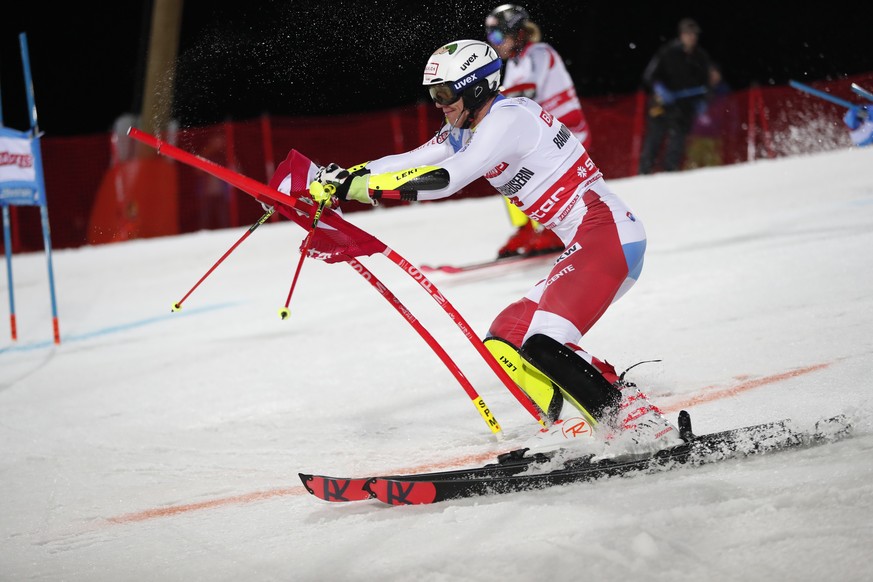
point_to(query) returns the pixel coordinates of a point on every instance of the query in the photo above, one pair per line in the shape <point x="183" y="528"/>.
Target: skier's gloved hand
<point x="322" y="194"/>
<point x="859" y="120"/>
<point x="331" y="173"/>
<point x="663" y="94"/>
<point x="856" y="115"/>
<point x="348" y="185"/>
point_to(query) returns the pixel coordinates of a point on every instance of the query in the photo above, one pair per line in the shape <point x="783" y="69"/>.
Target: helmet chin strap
<point x="469" y="121"/>
<point x="452" y="124"/>
<point x="471" y="112"/>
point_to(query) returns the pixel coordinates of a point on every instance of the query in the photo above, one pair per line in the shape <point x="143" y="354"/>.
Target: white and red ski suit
<point x="542" y="168"/>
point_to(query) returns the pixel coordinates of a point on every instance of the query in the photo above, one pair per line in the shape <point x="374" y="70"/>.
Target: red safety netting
<point x="95" y="196"/>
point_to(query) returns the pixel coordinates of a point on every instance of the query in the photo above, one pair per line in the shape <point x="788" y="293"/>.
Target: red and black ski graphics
<point x="336" y="489"/>
<point x="399" y="492"/>
<point x="343" y="489"/>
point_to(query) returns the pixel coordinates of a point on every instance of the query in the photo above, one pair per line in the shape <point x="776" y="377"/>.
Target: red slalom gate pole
<point x="434" y="345"/>
<point x="293" y="202"/>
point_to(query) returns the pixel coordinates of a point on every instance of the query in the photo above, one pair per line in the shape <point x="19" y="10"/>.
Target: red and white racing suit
<point x="538" y="73"/>
<point x="539" y="165"/>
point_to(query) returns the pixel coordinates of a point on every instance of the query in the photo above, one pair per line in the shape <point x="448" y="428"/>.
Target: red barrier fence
<point x="95" y="197"/>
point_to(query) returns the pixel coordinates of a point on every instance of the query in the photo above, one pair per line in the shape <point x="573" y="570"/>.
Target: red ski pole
<point x="178" y="305"/>
<point x="322" y="195"/>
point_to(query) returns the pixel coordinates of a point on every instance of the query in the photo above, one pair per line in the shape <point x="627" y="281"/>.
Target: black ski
<point x="344" y="489"/>
<point x="698" y="450"/>
<point x="506" y="474"/>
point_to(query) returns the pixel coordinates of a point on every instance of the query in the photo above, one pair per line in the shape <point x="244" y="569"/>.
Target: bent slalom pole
<point x="467" y="330"/>
<point x="295" y="213"/>
<point x="178" y="305"/>
<point x="477" y="400"/>
<point x="293" y="202"/>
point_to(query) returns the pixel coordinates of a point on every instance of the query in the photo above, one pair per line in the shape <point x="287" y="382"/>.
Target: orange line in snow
<point x="212" y="503"/>
<point x="281" y="492"/>
<point x="477" y="458"/>
<point x="744" y="387"/>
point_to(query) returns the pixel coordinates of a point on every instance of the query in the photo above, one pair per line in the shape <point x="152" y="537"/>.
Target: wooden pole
<point x="161" y="66"/>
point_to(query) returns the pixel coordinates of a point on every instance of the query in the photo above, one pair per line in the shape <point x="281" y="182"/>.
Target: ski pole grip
<point x="321" y="192"/>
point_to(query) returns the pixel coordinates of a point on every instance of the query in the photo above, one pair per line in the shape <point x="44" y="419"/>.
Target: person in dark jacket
<point x="678" y="79"/>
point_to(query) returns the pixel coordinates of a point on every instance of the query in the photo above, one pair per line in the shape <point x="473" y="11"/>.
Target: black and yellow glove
<point x="346" y="184"/>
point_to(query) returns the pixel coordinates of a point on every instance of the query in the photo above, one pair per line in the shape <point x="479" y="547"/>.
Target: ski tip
<point x="306" y="479"/>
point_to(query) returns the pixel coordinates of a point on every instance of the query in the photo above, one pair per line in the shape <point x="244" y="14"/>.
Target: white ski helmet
<point x="463" y="69"/>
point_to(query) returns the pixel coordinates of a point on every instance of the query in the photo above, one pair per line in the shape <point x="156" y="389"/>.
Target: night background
<point x="238" y="60"/>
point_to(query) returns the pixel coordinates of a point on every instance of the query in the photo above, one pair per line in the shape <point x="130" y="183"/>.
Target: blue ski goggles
<point x="495" y="36"/>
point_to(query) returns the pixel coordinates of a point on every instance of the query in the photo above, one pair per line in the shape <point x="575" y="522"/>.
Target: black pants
<point x="673" y="125"/>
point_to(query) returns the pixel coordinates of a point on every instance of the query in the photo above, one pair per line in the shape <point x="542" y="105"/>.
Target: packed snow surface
<point x="153" y="445"/>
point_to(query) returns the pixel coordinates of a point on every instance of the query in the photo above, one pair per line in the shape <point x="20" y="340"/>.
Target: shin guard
<point x="579" y="381"/>
<point x="534" y="383"/>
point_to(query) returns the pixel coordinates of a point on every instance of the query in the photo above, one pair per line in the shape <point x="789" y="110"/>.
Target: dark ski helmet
<point x="505" y="20"/>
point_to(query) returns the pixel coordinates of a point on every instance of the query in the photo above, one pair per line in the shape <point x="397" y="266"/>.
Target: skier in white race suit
<point x="535" y="70"/>
<point x="542" y="168"/>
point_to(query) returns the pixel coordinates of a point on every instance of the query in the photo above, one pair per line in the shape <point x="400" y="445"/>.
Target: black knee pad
<point x="573" y="374"/>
